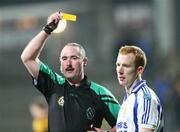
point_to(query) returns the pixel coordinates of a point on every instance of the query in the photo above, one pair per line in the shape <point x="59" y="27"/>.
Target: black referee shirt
<point x="75" y="108"/>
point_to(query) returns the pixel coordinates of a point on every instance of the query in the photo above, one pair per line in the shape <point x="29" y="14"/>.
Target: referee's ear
<point x="85" y="61"/>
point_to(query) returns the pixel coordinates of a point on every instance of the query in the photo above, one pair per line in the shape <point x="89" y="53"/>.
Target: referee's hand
<point x="52" y="22"/>
<point x="55" y="17"/>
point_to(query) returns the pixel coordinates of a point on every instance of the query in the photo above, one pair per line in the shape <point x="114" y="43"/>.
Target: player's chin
<point x="122" y="83"/>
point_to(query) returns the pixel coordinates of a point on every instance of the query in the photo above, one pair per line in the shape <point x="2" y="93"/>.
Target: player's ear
<point x="140" y="69"/>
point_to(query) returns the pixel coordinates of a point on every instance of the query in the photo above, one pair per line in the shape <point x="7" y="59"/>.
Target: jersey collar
<point x="138" y="86"/>
<point x="84" y="83"/>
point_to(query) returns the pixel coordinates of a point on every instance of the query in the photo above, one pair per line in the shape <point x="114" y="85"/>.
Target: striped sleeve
<point x="54" y="76"/>
<point x="108" y="98"/>
<point x="46" y="78"/>
<point x="148" y="109"/>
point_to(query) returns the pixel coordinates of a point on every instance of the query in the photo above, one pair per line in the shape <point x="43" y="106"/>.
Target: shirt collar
<point x="138" y="86"/>
<point x="84" y="83"/>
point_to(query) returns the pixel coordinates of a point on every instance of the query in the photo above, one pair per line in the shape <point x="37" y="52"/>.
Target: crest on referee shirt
<point x="90" y="112"/>
<point x="61" y="101"/>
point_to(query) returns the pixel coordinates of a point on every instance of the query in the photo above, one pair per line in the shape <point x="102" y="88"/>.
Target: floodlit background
<point x="102" y="26"/>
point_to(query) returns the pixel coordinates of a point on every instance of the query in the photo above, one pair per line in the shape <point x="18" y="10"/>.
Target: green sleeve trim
<point x="107" y="97"/>
<point x="54" y="76"/>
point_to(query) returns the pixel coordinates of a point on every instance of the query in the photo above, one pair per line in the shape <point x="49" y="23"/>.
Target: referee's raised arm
<point x="33" y="49"/>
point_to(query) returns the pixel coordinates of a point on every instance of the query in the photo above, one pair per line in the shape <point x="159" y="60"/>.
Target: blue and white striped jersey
<point x="141" y="109"/>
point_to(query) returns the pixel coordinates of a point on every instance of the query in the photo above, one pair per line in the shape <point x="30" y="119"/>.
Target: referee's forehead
<point x="70" y="50"/>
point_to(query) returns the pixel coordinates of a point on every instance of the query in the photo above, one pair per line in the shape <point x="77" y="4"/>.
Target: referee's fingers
<point x="55" y="17"/>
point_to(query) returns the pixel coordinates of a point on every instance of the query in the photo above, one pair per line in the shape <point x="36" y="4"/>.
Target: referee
<point x="75" y="102"/>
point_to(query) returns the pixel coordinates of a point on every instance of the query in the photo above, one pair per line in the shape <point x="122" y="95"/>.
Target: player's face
<point x="125" y="68"/>
<point x="72" y="64"/>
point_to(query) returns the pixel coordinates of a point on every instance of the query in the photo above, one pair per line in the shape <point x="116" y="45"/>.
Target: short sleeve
<point x="46" y="79"/>
<point x="109" y="102"/>
<point x="149" y="110"/>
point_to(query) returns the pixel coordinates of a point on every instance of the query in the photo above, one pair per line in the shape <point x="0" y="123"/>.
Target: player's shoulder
<point x="148" y="94"/>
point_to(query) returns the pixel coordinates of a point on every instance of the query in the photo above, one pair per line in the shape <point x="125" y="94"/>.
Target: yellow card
<point x="69" y="17"/>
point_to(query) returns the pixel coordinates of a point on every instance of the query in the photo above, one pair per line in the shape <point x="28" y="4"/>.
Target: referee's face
<point x="125" y="68"/>
<point x="72" y="64"/>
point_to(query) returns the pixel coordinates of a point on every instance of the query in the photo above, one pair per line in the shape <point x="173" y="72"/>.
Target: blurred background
<point x="102" y="26"/>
